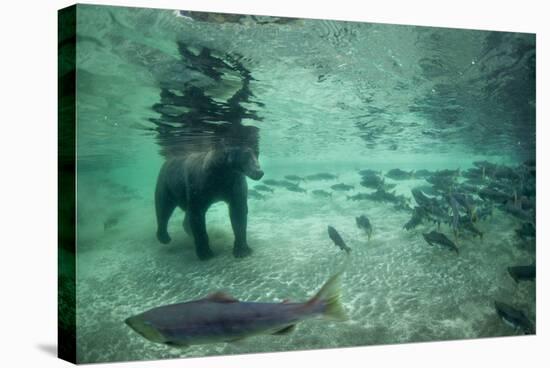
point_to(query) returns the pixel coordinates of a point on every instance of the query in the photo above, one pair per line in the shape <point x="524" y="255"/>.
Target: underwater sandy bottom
<point x="396" y="288"/>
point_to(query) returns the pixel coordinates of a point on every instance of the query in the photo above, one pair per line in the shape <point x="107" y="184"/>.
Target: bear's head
<point x="244" y="160"/>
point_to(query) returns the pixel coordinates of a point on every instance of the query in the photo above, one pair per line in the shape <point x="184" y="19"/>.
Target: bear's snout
<point x="254" y="170"/>
<point x="256" y="174"/>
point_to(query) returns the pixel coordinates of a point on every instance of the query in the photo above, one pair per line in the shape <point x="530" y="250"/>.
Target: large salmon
<point x="222" y="318"/>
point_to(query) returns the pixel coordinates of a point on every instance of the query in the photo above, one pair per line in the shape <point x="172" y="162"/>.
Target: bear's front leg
<point x="164" y="206"/>
<point x="238" y="212"/>
<point x="198" y="229"/>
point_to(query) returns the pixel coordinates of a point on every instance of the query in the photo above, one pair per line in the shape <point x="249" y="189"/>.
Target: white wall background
<point x="28" y="183"/>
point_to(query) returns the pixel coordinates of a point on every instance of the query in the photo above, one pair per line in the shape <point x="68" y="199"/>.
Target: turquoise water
<point x="332" y="97"/>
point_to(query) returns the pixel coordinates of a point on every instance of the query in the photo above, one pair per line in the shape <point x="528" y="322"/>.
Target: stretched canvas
<point x="234" y="183"/>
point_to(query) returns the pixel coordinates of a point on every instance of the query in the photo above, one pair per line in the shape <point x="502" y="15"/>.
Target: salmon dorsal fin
<point x="221" y="297"/>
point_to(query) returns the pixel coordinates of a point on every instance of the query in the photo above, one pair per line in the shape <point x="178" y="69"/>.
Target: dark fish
<point x="441" y="183"/>
<point x="474" y="173"/>
<point x="421" y="199"/>
<point x="321" y="193"/>
<point x="526" y="231"/>
<point x="255" y="194"/>
<point x="272" y="182"/>
<point x="514" y="317"/>
<point x="383" y="196"/>
<point x="526" y="203"/>
<point x="293" y="178"/>
<point x="467" y="224"/>
<point x="434" y="237"/>
<point x="530" y="166"/>
<point x="372" y="181"/>
<point x="398" y="174"/>
<point x="455" y="214"/>
<point x="279" y="183"/>
<point x="263" y="188"/>
<point x="484" y="164"/>
<point x="516" y="211"/>
<point x="419" y="213"/>
<point x="109" y="223"/>
<point x="447" y="173"/>
<point x="531" y="163"/>
<point x="321" y="176"/>
<point x="505" y="172"/>
<point x="437" y="212"/>
<point x="369" y="172"/>
<point x="359" y="197"/>
<point x="295" y="188"/>
<point x="221" y="318"/>
<point x="468" y="188"/>
<point x="288" y="184"/>
<point x="428" y="189"/>
<point x="387" y="186"/>
<point x="475" y="183"/>
<point x="467" y="202"/>
<point x="520" y="273"/>
<point x="402" y="205"/>
<point x="364" y="223"/>
<point x="421" y="174"/>
<point x="494" y="195"/>
<point x="482" y="213"/>
<point x="337" y="239"/>
<point x="342" y="187"/>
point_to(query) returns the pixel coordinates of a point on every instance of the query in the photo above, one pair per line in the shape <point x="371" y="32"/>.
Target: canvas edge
<point x="66" y="132"/>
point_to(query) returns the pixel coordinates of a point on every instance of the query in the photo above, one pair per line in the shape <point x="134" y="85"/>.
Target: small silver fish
<point x="221" y="318"/>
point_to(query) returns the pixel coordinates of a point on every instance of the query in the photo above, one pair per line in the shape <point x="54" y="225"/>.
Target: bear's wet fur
<point x="194" y="181"/>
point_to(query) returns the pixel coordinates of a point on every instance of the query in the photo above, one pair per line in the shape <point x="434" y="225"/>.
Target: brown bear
<point x="196" y="180"/>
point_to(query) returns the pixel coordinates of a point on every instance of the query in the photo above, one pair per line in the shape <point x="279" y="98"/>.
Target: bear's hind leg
<point x="186" y="225"/>
<point x="198" y="228"/>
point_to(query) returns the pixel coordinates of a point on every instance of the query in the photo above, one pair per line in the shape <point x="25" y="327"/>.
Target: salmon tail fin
<point x="329" y="298"/>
